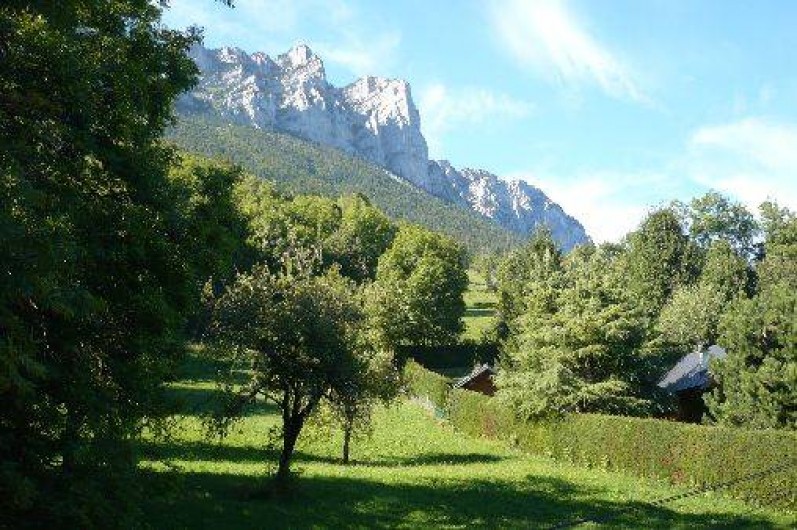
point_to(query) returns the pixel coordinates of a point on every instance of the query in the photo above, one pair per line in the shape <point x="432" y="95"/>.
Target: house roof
<point x="477" y="371"/>
<point x="692" y="370"/>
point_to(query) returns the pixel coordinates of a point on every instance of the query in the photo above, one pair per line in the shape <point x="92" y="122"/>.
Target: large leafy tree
<point x="417" y="296"/>
<point x="659" y="258"/>
<point x="715" y="217"/>
<point x="364" y="234"/>
<point x="532" y="270"/>
<point x="94" y="278"/>
<point x="297" y="334"/>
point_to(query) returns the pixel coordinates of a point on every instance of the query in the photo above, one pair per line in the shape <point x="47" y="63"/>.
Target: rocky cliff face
<point x="373" y="118"/>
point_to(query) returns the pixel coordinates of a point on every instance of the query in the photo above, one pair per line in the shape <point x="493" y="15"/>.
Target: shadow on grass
<point x="199" y="401"/>
<point x="210" y="451"/>
<point x="476" y="312"/>
<point x="206" y="500"/>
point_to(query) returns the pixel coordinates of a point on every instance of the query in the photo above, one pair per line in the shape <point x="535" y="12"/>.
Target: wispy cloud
<point x="752" y="159"/>
<point x="607" y="204"/>
<point x="359" y="55"/>
<point x="444" y="109"/>
<point x="547" y="36"/>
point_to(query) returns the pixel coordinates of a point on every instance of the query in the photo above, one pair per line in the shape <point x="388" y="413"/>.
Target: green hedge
<point x="425" y="384"/>
<point x="692" y="455"/>
<point x="450" y="355"/>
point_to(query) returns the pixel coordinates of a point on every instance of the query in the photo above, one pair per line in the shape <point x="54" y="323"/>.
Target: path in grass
<point x="413" y="473"/>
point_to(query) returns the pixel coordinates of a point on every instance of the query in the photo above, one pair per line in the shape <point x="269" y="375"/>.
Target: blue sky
<point x="610" y="107"/>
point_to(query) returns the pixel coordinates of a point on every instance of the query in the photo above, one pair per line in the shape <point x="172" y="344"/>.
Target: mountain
<point x="373" y="118"/>
<point x="299" y="166"/>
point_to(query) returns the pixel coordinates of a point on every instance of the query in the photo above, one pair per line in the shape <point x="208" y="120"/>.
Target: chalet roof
<point x="692" y="370"/>
<point x="477" y="371"/>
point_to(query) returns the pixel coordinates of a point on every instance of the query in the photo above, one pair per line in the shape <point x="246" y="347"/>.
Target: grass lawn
<point x="480" y="303"/>
<point x="414" y="472"/>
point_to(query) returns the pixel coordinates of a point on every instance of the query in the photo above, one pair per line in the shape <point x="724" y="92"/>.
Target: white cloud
<point x="752" y="159"/>
<point x="546" y="36"/>
<point x="362" y="56"/>
<point x="607" y="204"/>
<point x="443" y="109"/>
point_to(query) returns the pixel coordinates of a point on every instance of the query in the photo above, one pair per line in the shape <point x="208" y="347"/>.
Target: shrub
<point x="450" y="355"/>
<point x="692" y="455"/>
<point x="424" y="384"/>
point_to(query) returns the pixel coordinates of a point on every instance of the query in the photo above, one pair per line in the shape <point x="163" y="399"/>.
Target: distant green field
<point x="480" y="312"/>
<point x="414" y="472"/>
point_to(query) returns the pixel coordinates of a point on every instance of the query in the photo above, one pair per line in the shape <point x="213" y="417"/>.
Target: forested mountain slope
<point x="302" y="167"/>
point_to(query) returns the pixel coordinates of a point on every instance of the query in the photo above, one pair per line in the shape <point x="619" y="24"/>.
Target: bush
<point x="691" y="455"/>
<point x="450" y="355"/>
<point x="424" y="384"/>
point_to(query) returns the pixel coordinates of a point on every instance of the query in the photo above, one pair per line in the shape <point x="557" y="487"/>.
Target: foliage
<point x="417" y="296"/>
<point x="658" y="259"/>
<point x="579" y="348"/>
<point x="758" y="379"/>
<point x="374" y="382"/>
<point x="297" y="333"/>
<point x="714" y="217"/>
<point x="300" y="167"/>
<point x="94" y="276"/>
<point x="532" y="270"/>
<point x="683" y="454"/>
<point x="425" y="384"/>
<point x="363" y="235"/>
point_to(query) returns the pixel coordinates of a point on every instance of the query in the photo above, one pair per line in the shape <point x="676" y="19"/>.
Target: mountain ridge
<point x="373" y="118"/>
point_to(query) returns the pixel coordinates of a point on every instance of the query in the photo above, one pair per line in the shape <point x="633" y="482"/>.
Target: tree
<point x="94" y="278"/>
<point x="297" y="333"/>
<point x="690" y="317"/>
<point x="364" y="234"/>
<point x="714" y="217"/>
<point x="376" y="380"/>
<point x="417" y="296"/>
<point x="658" y="259"/>
<point x="579" y="347"/>
<point x="534" y="267"/>
<point x="757" y="381"/>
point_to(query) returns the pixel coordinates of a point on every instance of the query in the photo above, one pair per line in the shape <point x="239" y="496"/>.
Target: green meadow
<point x="413" y="471"/>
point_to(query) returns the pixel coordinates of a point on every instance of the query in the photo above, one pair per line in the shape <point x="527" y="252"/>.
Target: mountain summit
<point x="373" y="118"/>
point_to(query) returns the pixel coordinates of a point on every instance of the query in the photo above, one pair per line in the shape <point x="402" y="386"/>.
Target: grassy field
<point x="480" y="312"/>
<point x="414" y="472"/>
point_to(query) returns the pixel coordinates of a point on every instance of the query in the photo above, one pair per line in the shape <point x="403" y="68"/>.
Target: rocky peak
<point x="374" y="118"/>
<point x="301" y="58"/>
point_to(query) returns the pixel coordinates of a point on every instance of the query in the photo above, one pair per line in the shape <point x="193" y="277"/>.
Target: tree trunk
<point x="289" y="437"/>
<point x="346" y="440"/>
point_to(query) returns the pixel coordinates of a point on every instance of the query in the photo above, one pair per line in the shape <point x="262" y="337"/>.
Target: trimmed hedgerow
<point x="450" y="355"/>
<point x="692" y="455"/>
<point x="425" y="384"/>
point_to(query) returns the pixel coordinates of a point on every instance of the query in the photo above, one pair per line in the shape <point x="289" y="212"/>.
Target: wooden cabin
<point x="479" y="380"/>
<point x="689" y="379"/>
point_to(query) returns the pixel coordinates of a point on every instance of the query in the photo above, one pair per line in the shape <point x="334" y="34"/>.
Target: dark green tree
<point x="417" y="296"/>
<point x="364" y="234"/>
<point x="94" y="278"/>
<point x="757" y="382"/>
<point x="715" y="217"/>
<point x="659" y="257"/>
<point x="579" y="347"/>
<point x="532" y="269"/>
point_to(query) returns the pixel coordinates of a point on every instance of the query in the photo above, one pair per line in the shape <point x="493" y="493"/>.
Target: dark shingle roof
<point x="692" y="370"/>
<point x="479" y="370"/>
